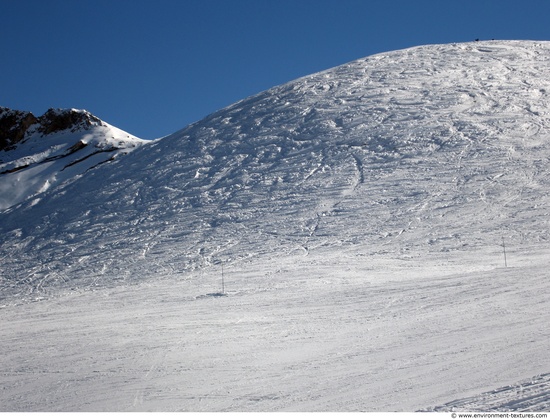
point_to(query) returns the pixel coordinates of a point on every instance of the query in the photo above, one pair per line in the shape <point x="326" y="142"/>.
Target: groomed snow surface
<point x="359" y="214"/>
<point x="330" y="332"/>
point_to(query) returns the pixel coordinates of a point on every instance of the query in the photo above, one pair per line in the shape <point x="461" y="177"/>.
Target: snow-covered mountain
<point x="57" y="147"/>
<point x="371" y="200"/>
<point x="431" y="149"/>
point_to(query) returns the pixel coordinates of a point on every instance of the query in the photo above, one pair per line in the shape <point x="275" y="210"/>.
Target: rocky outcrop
<point x="55" y="120"/>
<point x="16" y="125"/>
<point x="13" y="126"/>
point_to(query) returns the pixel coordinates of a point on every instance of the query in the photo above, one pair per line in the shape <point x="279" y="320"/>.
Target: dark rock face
<point x="55" y="120"/>
<point x="15" y="125"/>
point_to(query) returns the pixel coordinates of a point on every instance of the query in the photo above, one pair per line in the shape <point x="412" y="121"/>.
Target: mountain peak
<point x="17" y="125"/>
<point x="55" y="120"/>
<point x="57" y="147"/>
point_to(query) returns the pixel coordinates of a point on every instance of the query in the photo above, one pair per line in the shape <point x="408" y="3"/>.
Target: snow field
<point x="359" y="213"/>
<point x="323" y="332"/>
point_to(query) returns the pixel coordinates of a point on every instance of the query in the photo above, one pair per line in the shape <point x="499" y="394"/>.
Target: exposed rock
<point x="55" y="120"/>
<point x="15" y="125"/>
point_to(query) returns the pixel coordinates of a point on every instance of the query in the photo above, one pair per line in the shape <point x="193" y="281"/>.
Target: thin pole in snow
<point x="223" y="283"/>
<point x="504" y="251"/>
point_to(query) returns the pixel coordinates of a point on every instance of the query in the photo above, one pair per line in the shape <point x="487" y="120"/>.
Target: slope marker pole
<point x="223" y="283"/>
<point x="504" y="251"/>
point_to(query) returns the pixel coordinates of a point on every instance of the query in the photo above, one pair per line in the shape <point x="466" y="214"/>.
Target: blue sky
<point x="152" y="67"/>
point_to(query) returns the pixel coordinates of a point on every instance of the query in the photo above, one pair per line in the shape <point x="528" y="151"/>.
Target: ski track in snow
<point x="530" y="395"/>
<point x="324" y="332"/>
<point x="359" y="214"/>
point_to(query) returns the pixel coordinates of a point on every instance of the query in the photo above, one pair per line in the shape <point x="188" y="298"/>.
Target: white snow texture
<point x="359" y="215"/>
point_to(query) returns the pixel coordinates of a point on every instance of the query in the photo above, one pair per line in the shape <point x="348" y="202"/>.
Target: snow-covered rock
<point x="55" y="148"/>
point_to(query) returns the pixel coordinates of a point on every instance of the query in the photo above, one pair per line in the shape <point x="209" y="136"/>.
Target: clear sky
<point x="151" y="67"/>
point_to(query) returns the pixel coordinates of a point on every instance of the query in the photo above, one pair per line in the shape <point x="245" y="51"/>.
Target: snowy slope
<point x="359" y="214"/>
<point x="431" y="149"/>
<point x="328" y="332"/>
<point x="62" y="145"/>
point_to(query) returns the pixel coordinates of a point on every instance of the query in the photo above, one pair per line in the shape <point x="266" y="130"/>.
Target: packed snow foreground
<point x="358" y="219"/>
